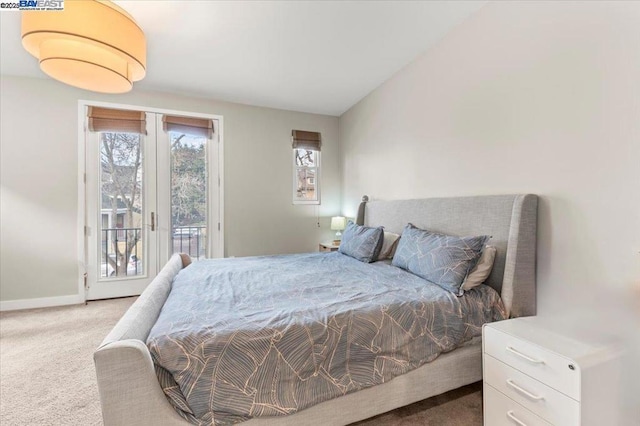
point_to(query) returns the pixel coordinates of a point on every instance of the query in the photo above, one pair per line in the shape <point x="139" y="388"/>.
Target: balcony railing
<point x="191" y="240"/>
<point x="121" y="238"/>
<point x="184" y="239"/>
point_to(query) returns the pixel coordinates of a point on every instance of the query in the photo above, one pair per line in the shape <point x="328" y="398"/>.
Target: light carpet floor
<point x="47" y="375"/>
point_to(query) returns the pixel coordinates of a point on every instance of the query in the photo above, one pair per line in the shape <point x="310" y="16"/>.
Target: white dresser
<point x="535" y="374"/>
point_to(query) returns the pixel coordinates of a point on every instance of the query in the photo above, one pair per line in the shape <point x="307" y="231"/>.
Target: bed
<point x="130" y="392"/>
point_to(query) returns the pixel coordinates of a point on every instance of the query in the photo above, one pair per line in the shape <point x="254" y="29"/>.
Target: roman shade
<point x="302" y="139"/>
<point x="189" y="125"/>
<point x="116" y="120"/>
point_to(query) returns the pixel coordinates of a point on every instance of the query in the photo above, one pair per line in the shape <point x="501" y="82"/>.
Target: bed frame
<point x="131" y="395"/>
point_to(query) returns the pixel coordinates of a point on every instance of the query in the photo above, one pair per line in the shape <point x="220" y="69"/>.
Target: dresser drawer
<point x="548" y="403"/>
<point x="546" y="366"/>
<point x="502" y="411"/>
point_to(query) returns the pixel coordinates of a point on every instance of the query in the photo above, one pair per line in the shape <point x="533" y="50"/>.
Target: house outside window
<point x="305" y="176"/>
<point x="306" y="166"/>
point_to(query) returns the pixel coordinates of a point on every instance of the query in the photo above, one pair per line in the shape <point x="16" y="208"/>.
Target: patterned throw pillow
<point x="444" y="260"/>
<point x="361" y="242"/>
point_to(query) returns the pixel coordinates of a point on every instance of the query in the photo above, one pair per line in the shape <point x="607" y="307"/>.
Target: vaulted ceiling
<point x="312" y="56"/>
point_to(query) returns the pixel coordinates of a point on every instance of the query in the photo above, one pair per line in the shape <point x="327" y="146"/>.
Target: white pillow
<point x="389" y="244"/>
<point x="482" y="270"/>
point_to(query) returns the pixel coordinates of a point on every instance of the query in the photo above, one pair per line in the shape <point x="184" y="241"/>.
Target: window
<point x="192" y="143"/>
<point x="306" y="166"/>
<point x="305" y="176"/>
<point x="189" y="201"/>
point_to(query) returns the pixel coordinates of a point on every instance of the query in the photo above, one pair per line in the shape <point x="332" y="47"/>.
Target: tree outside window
<point x="121" y="188"/>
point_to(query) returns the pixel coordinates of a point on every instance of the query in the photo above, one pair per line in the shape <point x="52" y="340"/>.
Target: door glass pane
<point x="188" y="195"/>
<point x="121" y="234"/>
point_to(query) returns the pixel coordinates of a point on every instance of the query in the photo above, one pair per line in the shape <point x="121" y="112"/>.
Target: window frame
<point x="296" y="168"/>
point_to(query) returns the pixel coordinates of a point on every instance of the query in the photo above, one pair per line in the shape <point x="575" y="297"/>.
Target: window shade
<point x="116" y="120"/>
<point x="189" y="125"/>
<point x="306" y="140"/>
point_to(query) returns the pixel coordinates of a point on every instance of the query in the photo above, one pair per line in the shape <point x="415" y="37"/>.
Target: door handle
<point x="153" y="221"/>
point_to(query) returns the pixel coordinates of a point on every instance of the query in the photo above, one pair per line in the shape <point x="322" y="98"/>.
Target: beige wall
<point x="524" y="97"/>
<point x="39" y="171"/>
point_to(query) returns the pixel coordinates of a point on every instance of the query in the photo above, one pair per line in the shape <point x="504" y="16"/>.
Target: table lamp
<point x="338" y="223"/>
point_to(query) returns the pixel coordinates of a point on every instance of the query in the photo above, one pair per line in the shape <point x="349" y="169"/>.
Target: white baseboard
<point x="42" y="302"/>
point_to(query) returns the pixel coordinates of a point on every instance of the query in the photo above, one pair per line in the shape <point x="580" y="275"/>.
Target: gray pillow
<point x="482" y="270"/>
<point x="361" y="242"/>
<point x="389" y="245"/>
<point x="444" y="260"/>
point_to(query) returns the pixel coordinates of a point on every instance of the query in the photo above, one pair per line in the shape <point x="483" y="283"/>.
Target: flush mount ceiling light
<point x="94" y="45"/>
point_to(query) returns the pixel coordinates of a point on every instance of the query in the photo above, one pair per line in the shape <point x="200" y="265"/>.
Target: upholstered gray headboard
<point x="510" y="219"/>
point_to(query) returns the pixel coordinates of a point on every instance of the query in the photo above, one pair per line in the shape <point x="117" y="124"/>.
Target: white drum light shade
<point x="338" y="223"/>
<point x="93" y="45"/>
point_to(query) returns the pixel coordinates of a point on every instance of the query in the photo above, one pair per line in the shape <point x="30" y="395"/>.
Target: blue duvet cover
<point x="268" y="336"/>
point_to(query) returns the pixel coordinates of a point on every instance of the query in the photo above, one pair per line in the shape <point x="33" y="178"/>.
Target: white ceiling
<point x="312" y="56"/>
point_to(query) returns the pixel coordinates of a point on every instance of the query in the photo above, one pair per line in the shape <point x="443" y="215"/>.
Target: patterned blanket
<point x="269" y="336"/>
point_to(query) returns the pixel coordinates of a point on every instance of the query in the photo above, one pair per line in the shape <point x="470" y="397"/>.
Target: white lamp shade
<point x="94" y="45"/>
<point x="338" y="223"/>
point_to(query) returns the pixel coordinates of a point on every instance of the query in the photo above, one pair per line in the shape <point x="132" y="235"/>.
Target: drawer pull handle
<point x="524" y="391"/>
<point x="515" y="419"/>
<point x="527" y="357"/>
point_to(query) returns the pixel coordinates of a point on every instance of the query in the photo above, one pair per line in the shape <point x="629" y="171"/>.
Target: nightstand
<point x="534" y="373"/>
<point x="329" y="246"/>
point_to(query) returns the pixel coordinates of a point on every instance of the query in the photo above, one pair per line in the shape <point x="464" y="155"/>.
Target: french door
<point x="149" y="194"/>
